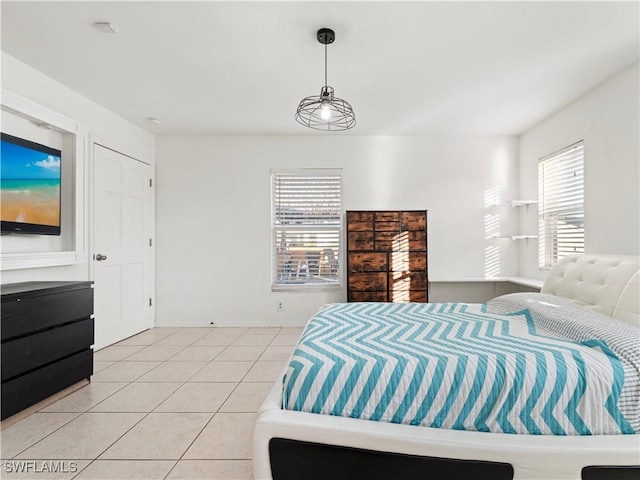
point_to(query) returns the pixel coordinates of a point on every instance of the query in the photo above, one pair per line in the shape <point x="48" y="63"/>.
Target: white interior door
<point x="122" y="257"/>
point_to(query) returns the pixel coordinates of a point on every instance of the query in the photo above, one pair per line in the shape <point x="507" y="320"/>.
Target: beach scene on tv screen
<point x="30" y="185"/>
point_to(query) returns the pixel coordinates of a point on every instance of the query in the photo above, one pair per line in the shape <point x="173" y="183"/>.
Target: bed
<point x="568" y="358"/>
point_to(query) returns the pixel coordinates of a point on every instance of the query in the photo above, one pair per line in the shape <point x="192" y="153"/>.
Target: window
<point x="306" y="227"/>
<point x="561" y="204"/>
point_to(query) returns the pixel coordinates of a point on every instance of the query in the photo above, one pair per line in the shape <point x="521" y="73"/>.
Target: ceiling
<point x="408" y="68"/>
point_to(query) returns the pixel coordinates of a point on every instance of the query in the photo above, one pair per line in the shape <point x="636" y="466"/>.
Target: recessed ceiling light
<point x="106" y="27"/>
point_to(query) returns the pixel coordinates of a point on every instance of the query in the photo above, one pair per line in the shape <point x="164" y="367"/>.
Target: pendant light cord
<point x="325" y="64"/>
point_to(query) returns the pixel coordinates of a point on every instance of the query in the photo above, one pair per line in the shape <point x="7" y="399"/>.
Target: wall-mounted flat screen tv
<point x="29" y="187"/>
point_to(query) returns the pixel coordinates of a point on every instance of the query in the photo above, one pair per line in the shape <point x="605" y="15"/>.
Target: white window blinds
<point x="561" y="204"/>
<point x="306" y="224"/>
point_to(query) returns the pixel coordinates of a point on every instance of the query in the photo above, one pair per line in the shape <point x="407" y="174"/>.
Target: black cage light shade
<point x="325" y="111"/>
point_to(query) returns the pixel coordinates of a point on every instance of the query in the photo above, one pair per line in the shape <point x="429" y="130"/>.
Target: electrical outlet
<point x="279" y="306"/>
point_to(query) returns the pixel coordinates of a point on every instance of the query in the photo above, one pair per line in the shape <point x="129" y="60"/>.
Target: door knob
<point x="100" y="257"/>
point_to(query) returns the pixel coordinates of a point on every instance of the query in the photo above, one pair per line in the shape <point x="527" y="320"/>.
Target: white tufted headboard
<point x="610" y="284"/>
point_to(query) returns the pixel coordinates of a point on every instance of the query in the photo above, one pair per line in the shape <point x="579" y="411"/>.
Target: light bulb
<point x="325" y="113"/>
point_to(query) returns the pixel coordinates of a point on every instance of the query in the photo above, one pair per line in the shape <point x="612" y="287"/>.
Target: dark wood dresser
<point x="47" y="333"/>
<point x="387" y="256"/>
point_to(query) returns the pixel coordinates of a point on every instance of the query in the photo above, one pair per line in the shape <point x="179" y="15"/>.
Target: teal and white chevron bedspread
<point x="491" y="368"/>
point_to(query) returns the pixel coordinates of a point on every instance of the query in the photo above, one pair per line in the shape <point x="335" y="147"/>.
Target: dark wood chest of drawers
<point x="387" y="256"/>
<point x="47" y="332"/>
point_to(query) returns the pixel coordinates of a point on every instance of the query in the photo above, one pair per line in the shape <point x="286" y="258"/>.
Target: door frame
<point x="149" y="227"/>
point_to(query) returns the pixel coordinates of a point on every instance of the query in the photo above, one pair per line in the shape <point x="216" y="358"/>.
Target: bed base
<point x="291" y="445"/>
<point x="293" y="460"/>
<point x="610" y="473"/>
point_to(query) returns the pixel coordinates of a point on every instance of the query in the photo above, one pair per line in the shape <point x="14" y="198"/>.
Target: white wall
<point x="213" y="214"/>
<point x="104" y="127"/>
<point x="607" y="119"/>
<point x="213" y="236"/>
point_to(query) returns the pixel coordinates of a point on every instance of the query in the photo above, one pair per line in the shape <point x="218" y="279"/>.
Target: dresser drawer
<point x="390" y="240"/>
<point x="37" y="385"/>
<point x="34" y="351"/>
<point x="30" y="314"/>
<point x="368" y="282"/>
<point x="359" y="221"/>
<point x="405" y="281"/>
<point x="387" y="226"/>
<point x="354" y="216"/>
<point x="360" y="241"/>
<point x="418" y="296"/>
<point x="404" y="296"/>
<point x="414" y="220"/>
<point x="367" y="261"/>
<point x="387" y="216"/>
<point x="417" y="240"/>
<point x="404" y="261"/>
<point x="367" y="296"/>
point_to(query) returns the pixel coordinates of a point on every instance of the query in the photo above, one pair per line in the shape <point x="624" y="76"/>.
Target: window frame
<point x="560" y="182"/>
<point x="275" y="228"/>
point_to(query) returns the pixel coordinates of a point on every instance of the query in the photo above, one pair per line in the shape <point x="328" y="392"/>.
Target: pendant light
<point x="325" y="111"/>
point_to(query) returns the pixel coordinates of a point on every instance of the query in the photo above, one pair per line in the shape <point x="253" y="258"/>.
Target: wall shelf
<point x="516" y="237"/>
<point x="18" y="261"/>
<point x="527" y="282"/>
<point x="522" y="203"/>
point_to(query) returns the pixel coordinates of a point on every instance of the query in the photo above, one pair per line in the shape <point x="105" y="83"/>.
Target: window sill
<point x="309" y="288"/>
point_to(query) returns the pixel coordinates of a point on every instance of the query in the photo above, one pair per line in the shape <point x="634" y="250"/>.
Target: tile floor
<point x="169" y="403"/>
